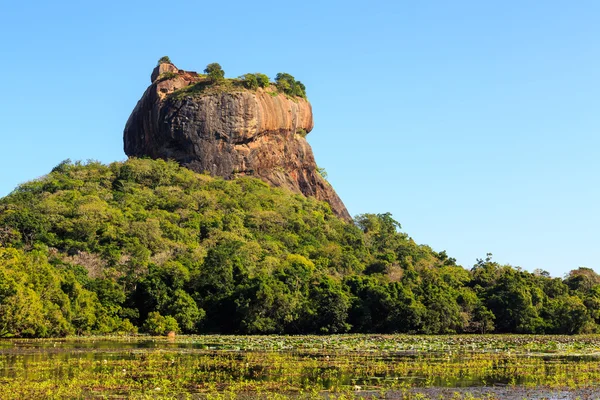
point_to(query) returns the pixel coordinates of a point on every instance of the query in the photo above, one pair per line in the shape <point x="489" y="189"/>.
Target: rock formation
<point x="229" y="131"/>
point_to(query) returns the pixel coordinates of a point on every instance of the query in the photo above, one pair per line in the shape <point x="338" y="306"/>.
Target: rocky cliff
<point x="229" y="131"/>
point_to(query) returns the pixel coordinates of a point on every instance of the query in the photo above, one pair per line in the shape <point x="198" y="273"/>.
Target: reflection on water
<point x="203" y="361"/>
<point x="64" y="345"/>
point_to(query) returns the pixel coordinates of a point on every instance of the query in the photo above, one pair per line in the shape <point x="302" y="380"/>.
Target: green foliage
<point x="250" y="81"/>
<point x="38" y="300"/>
<point x="582" y="279"/>
<point x="63" y="166"/>
<point x="330" y="307"/>
<point x="287" y="84"/>
<point x="322" y="172"/>
<point x="263" y="80"/>
<point x="255" y="80"/>
<point x="303" y="367"/>
<point x="209" y="85"/>
<point x="483" y="320"/>
<point x="184" y="309"/>
<point x="91" y="248"/>
<point x="301" y="132"/>
<point x="214" y="72"/>
<point x="156" y="324"/>
<point x="163" y="60"/>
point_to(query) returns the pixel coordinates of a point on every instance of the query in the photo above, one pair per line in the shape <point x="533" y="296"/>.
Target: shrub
<point x="284" y="82"/>
<point x="250" y="81"/>
<point x="164" y="59"/>
<point x="322" y="172"/>
<point x="289" y="85"/>
<point x="263" y="80"/>
<point x="255" y="80"/>
<point x="156" y="324"/>
<point x="300" y="89"/>
<point x="126" y="327"/>
<point x="171" y="325"/>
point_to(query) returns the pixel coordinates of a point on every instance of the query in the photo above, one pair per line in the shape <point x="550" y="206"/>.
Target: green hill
<point x="147" y="245"/>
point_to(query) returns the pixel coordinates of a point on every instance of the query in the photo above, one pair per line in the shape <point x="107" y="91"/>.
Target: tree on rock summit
<point x="215" y="72"/>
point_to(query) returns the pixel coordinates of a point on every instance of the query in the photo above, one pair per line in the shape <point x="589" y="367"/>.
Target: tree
<point x="371" y="305"/>
<point x="300" y="89"/>
<point x="225" y="268"/>
<point x="250" y="81"/>
<point x="331" y="305"/>
<point x="263" y="80"/>
<point x="510" y="300"/>
<point x="571" y="316"/>
<point x="266" y="305"/>
<point x="255" y="80"/>
<point x="98" y="249"/>
<point x="582" y="279"/>
<point x="183" y="308"/>
<point x="284" y="82"/>
<point x="289" y="85"/>
<point x="215" y="72"/>
<point x="156" y="324"/>
<point x="164" y="60"/>
<point x="483" y="320"/>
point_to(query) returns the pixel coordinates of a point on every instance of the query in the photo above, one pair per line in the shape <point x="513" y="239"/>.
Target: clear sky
<point x="475" y="123"/>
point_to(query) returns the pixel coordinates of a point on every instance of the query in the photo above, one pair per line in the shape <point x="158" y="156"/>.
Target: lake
<point x="340" y="367"/>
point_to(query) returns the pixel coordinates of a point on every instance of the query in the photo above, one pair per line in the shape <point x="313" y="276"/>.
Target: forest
<point x="147" y="246"/>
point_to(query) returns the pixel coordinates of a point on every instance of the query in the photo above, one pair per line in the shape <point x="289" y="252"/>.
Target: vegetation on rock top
<point x="163" y="60"/>
<point x="214" y="81"/>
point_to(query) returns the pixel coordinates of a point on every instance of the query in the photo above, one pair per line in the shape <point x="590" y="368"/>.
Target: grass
<point x="341" y="367"/>
<point x="227" y="85"/>
<point x="206" y="86"/>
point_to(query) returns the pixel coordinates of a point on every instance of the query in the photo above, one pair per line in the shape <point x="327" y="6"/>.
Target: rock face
<point x="228" y="131"/>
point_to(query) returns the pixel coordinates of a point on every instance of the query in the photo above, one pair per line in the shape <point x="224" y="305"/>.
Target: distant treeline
<point x="151" y="246"/>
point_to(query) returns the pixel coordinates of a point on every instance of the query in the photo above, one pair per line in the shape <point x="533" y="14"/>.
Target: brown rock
<point x="228" y="133"/>
<point x="161" y="69"/>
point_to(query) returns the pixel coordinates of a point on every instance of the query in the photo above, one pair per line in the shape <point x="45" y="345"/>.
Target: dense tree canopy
<point x="289" y="85"/>
<point x="255" y="80"/>
<point x="148" y="245"/>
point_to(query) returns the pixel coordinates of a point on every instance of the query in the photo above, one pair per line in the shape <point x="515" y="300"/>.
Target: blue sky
<point x="476" y="124"/>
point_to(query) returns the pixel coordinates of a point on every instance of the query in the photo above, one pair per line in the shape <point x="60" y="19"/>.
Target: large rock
<point x="228" y="132"/>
